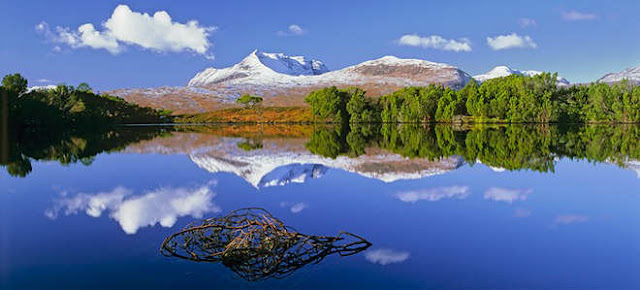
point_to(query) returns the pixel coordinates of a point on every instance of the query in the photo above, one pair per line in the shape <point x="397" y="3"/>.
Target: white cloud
<point x="386" y="256"/>
<point x="157" y="32"/>
<point x="507" y="195"/>
<point x="574" y="15"/>
<point x="570" y="219"/>
<point x="434" y="194"/>
<point x="435" y="42"/>
<point x="44" y="81"/>
<point x="161" y="206"/>
<point x="295" y="207"/>
<point x="509" y="41"/>
<point x="527" y="22"/>
<point x="293" y="30"/>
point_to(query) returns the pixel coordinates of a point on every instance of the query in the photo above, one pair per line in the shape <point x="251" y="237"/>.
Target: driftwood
<point x="255" y="245"/>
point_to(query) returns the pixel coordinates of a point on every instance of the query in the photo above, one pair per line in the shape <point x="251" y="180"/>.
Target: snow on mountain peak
<point x="391" y="60"/>
<point x="260" y="71"/>
<point x="291" y="65"/>
<point x="504" y="71"/>
<point x="41" y="88"/>
<point x="262" y="67"/>
<point x="632" y="74"/>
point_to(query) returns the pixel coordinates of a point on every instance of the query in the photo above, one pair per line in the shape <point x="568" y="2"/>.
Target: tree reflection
<point x="512" y="147"/>
<point x="255" y="245"/>
<point x="70" y="146"/>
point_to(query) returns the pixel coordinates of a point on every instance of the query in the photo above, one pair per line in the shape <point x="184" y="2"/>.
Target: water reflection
<point x="434" y="194"/>
<point x="255" y="245"/>
<point x="70" y="146"/>
<point x="507" y="195"/>
<point x="399" y="152"/>
<point x="386" y="256"/>
<point x="267" y="156"/>
<point x="160" y="206"/>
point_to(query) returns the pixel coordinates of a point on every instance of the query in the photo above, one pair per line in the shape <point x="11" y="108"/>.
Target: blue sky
<point x="582" y="40"/>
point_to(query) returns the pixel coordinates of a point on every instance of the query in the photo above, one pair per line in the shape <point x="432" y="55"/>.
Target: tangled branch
<point x="255" y="245"/>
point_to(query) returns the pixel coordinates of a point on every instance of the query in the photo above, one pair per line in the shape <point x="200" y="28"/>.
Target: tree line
<point x="67" y="107"/>
<point x="511" y="99"/>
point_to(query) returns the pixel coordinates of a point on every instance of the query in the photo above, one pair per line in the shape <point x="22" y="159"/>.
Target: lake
<point x="445" y="207"/>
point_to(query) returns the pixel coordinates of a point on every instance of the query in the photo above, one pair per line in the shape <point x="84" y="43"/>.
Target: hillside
<point x="285" y="80"/>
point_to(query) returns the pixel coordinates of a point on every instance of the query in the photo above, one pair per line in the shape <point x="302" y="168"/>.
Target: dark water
<point x="448" y="208"/>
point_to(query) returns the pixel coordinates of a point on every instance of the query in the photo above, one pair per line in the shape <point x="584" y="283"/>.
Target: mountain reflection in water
<point x="396" y="152"/>
<point x="271" y="155"/>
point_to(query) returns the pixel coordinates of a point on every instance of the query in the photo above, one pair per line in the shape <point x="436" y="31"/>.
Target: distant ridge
<point x="503" y="71"/>
<point x="632" y="74"/>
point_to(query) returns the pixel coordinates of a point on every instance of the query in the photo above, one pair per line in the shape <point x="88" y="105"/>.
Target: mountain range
<point x="284" y="80"/>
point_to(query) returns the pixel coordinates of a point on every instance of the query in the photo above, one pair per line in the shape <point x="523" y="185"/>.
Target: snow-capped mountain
<point x="282" y="79"/>
<point x="503" y="71"/>
<point x="632" y="74"/>
<point x="260" y="68"/>
<point x="277" y="70"/>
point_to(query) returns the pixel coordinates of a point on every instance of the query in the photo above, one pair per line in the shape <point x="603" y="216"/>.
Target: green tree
<point x="14" y="84"/>
<point x="329" y="104"/>
<point x="249" y="101"/>
<point x="360" y="108"/>
<point x="84" y="87"/>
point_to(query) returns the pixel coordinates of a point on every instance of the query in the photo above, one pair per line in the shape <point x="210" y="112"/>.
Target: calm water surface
<point x="448" y="222"/>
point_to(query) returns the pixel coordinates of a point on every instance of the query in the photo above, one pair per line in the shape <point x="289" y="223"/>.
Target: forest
<point x="67" y="107"/>
<point x="512" y="99"/>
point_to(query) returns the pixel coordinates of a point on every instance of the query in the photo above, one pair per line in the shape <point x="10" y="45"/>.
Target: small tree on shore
<point x="249" y="101"/>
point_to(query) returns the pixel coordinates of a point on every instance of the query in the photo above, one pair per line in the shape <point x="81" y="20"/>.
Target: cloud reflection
<point x="294" y="207"/>
<point x="434" y="194"/>
<point x="508" y="195"/>
<point x="386" y="256"/>
<point x="161" y="206"/>
<point x="567" y="219"/>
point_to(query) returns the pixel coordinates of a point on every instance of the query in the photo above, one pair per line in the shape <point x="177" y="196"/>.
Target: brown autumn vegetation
<point x="259" y="115"/>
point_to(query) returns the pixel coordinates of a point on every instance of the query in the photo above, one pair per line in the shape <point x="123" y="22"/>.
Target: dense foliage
<point x="512" y="99"/>
<point x="67" y="107"/>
